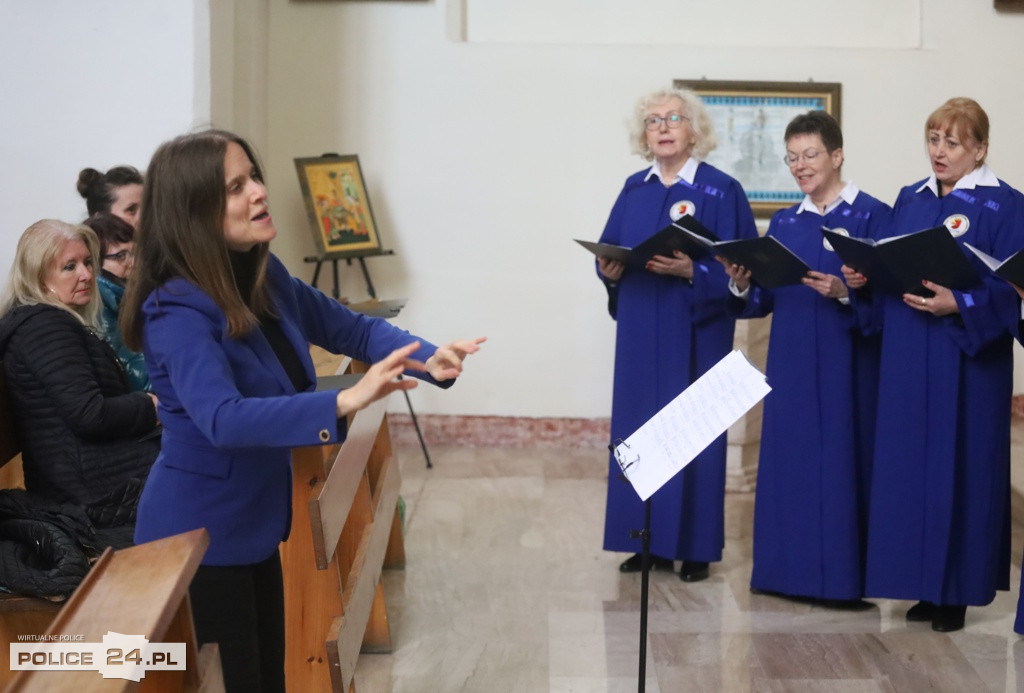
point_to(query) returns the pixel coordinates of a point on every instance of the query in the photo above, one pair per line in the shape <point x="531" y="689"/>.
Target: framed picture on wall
<point x="750" y="120"/>
<point x="338" y="206"/>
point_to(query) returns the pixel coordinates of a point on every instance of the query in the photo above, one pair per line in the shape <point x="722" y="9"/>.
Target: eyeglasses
<point x="120" y="256"/>
<point x="808" y="156"/>
<point x="672" y="120"/>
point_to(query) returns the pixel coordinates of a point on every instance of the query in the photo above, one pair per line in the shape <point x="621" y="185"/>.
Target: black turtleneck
<point x="244" y="267"/>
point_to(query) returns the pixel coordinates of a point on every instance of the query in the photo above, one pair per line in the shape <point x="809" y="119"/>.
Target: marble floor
<point x="506" y="589"/>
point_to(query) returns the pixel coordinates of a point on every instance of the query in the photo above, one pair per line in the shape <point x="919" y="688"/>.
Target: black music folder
<point x="1011" y="269"/>
<point x="771" y="264"/>
<point x="669" y="239"/>
<point x="899" y="264"/>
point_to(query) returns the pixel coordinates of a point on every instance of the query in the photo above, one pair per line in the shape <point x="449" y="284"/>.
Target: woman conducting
<point x="86" y="437"/>
<point x="939" y="527"/>
<point x="226" y="331"/>
<point x="810" y="513"/>
<point x="672" y="326"/>
<point x="117" y="254"/>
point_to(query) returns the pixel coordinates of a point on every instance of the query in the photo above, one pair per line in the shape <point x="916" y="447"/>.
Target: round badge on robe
<point x="828" y="246"/>
<point x="957" y="224"/>
<point x="681" y="209"/>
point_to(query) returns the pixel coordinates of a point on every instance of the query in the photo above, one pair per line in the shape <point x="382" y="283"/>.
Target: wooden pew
<point x="136" y="591"/>
<point x="142" y="590"/>
<point x="334" y="600"/>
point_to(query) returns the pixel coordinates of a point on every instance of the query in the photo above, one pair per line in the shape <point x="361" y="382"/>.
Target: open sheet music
<point x="670" y="439"/>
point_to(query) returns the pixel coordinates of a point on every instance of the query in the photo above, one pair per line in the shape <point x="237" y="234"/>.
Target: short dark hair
<point x="110" y="229"/>
<point x="98" y="188"/>
<point x="181" y="234"/>
<point x="817" y="123"/>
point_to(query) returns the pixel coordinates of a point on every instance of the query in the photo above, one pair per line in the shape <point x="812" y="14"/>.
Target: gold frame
<point x="338" y="207"/>
<point x="764" y="176"/>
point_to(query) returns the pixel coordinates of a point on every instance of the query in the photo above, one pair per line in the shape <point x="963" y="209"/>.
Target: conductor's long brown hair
<point x="181" y="234"/>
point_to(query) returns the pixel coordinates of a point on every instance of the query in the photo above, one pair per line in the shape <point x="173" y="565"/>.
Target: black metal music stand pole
<point x="645" y="558"/>
<point x="645" y="577"/>
<point x="416" y="425"/>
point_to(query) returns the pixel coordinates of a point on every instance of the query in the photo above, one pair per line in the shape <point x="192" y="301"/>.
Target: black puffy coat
<point x="86" y="437"/>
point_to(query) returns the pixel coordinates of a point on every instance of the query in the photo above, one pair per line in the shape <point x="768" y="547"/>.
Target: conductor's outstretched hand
<point x="447" y="361"/>
<point x="381" y="379"/>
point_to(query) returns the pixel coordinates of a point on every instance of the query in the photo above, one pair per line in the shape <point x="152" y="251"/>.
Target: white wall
<point x="484" y="160"/>
<point x="97" y="83"/>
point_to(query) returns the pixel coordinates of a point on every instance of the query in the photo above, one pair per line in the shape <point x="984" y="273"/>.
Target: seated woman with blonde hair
<point x="86" y="437"/>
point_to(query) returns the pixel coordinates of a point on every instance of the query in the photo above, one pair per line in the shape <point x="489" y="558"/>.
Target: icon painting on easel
<point x="338" y="206"/>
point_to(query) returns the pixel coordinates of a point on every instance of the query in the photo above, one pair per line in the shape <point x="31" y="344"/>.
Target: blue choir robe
<point x="939" y="521"/>
<point x="810" y="511"/>
<point x="669" y="332"/>
<point x="1018" y="624"/>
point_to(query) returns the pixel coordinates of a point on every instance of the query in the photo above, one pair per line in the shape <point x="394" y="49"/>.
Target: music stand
<point x="675" y="436"/>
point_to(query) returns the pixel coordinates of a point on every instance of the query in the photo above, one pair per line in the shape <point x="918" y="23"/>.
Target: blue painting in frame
<point x="750" y="120"/>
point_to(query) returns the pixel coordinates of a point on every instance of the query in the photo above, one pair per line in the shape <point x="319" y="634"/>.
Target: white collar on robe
<point x="687" y="173"/>
<point x="981" y="176"/>
<point x="848" y="194"/>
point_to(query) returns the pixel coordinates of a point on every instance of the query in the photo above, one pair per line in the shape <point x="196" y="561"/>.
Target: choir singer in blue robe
<point x="810" y="514"/>
<point x="1018" y="624"/>
<point x="939" y="526"/>
<point x="672" y="326"/>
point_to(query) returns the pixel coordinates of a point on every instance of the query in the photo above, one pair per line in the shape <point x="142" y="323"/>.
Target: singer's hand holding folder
<point x="771" y="264"/>
<point x="673" y="437"/>
<point x="899" y="264"/>
<point x="669" y="239"/>
<point x="1011" y="269"/>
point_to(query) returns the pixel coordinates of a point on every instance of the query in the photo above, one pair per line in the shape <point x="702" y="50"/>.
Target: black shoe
<point x="920" y="612"/>
<point x="948" y="619"/>
<point x="694" y="571"/>
<point x="633" y="564"/>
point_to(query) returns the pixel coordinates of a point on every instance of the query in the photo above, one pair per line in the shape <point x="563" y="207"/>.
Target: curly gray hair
<point x="694" y="109"/>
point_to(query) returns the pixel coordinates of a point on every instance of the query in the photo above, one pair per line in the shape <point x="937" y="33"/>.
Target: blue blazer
<point x="231" y="415"/>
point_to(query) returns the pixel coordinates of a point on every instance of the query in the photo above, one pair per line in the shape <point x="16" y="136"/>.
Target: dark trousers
<point x="241" y="608"/>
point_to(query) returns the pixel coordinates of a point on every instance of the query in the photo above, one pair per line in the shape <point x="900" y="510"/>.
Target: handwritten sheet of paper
<point x="670" y="439"/>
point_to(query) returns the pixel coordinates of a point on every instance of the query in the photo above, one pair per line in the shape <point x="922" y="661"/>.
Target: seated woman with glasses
<point x="814" y="472"/>
<point x="672" y="326"/>
<point x="117" y="243"/>
<point x="118" y="192"/>
<point x="87" y="439"/>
